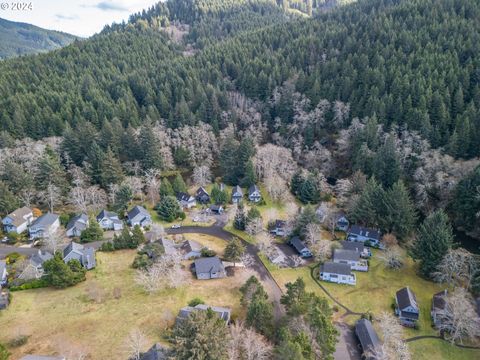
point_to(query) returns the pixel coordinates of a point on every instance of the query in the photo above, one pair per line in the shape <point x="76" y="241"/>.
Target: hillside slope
<point x="21" y="39"/>
<point x="411" y="63"/>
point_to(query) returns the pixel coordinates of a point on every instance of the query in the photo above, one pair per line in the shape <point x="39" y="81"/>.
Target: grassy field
<point x="374" y="292"/>
<point x="211" y="242"/>
<point x="88" y="317"/>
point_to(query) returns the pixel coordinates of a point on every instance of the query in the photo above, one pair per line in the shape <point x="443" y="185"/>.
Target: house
<point x="168" y="246"/>
<point x="3" y="273"/>
<point x="202" y="196"/>
<point x="34" y="266"/>
<point x="438" y="307"/>
<point x="279" y="228"/>
<point x="156" y="352"/>
<point x="223" y="313"/>
<point x="18" y="220"/>
<point x="254" y="194"/>
<point x="109" y="220"/>
<point x="86" y="255"/>
<point x="139" y="216"/>
<point x="237" y="194"/>
<point x="342" y="222"/>
<point x="76" y="225"/>
<point x="209" y="268"/>
<point x="40" y="357"/>
<point x="185" y="200"/>
<point x="191" y="249"/>
<point x="368" y="236"/>
<point x="337" y="273"/>
<point x="350" y="257"/>
<point x="368" y="338"/>
<point x="216" y="209"/>
<point x="4" y="299"/>
<point x="357" y="246"/>
<point x="300" y="247"/>
<point x="406" y="307"/>
<point x="44" y="225"/>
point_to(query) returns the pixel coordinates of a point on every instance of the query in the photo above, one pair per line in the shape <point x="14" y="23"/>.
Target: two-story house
<point x="18" y="220"/>
<point x="109" y="220"/>
<point x="139" y="216"/>
<point x="44" y="225"/>
<point x="406" y="307"/>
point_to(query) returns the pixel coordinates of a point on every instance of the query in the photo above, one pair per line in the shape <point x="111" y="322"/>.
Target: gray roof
<point x="168" y="246"/>
<point x="18" y="216"/>
<point x="39" y="258"/>
<point x="252" y="189"/>
<point x="45" y="220"/>
<point x="182" y="196"/>
<point x="79" y="221"/>
<point x="347" y="255"/>
<point x="156" y="352"/>
<point x="406" y="298"/>
<point x="202" y="192"/>
<point x="237" y="191"/>
<point x="107" y="214"/>
<point x="336" y="268"/>
<point x="216" y="207"/>
<point x="366" y="232"/>
<point x="223" y="313"/>
<point x="137" y="210"/>
<point x="298" y="244"/>
<point x="208" y="265"/>
<point x="368" y="338"/>
<point x="438" y="301"/>
<point x="353" y="245"/>
<point x="87" y="253"/>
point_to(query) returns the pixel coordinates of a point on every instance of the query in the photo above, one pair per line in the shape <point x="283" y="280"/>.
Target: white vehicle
<point x="176" y="226"/>
<point x="5" y="239"/>
<point x="196" y="219"/>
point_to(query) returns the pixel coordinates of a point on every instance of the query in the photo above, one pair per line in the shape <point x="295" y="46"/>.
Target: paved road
<point x="216" y="230"/>
<point x="347" y="346"/>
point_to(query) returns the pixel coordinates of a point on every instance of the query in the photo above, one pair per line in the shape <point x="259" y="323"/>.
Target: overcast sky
<point x="78" y="17"/>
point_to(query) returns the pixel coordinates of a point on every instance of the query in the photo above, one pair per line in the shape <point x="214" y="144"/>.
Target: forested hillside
<point x="21" y="39"/>
<point x="410" y="62"/>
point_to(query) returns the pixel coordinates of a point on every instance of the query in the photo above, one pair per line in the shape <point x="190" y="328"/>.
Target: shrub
<point x="207" y="252"/>
<point x="18" y="341"/>
<point x="107" y="246"/>
<point x="335" y="308"/>
<point x="196" y="301"/>
<point x="32" y="284"/>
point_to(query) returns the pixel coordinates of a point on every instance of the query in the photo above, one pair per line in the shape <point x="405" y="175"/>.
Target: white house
<point x="109" y="220"/>
<point x="237" y="194"/>
<point x="279" y="228"/>
<point x="337" y="273"/>
<point x="18" y="220"/>
<point x="44" y="225"/>
<point x="351" y="258"/>
<point x="406" y="307"/>
<point x="76" y="225"/>
<point x="139" y="216"/>
<point x="254" y="194"/>
<point x="342" y="223"/>
<point x="185" y="200"/>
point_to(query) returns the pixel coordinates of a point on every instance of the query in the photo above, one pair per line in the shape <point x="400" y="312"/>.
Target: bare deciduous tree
<point x="459" y="320"/>
<point x="152" y="184"/>
<point x="265" y="241"/>
<point x="313" y="233"/>
<point x="167" y="272"/>
<point x="393" y="347"/>
<point x="135" y="343"/>
<point x="112" y="192"/>
<point x="457" y="268"/>
<point x="246" y="344"/>
<point x="392" y="257"/>
<point x="254" y="226"/>
<point x="51" y="196"/>
<point x="322" y="250"/>
<point x="92" y="198"/>
<point x="53" y="241"/>
<point x="202" y="175"/>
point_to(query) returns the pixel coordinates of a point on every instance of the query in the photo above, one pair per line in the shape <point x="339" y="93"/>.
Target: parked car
<point x="176" y="226"/>
<point x="196" y="219"/>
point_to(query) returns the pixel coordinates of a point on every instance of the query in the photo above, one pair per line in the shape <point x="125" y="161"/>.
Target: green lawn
<point x="375" y="292"/>
<point x="56" y="320"/>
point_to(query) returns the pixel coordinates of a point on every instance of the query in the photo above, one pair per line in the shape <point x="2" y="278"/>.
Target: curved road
<point x="216" y="230"/>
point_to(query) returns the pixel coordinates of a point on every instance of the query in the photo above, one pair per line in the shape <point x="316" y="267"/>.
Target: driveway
<point x="347" y="346"/>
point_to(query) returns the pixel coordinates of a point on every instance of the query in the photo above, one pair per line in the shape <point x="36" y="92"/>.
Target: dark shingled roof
<point x="237" y="191"/>
<point x="208" y="265"/>
<point x="353" y="245"/>
<point x="79" y="221"/>
<point x="347" y="255"/>
<point x="181" y="196"/>
<point x="367" y="232"/>
<point x="406" y="298"/>
<point x="297" y="244"/>
<point x="106" y="214"/>
<point x="223" y="313"/>
<point x="252" y="189"/>
<point x="438" y="302"/>
<point x="156" y="352"/>
<point x="45" y="220"/>
<point x="368" y="338"/>
<point x="136" y="211"/>
<point x="336" y="268"/>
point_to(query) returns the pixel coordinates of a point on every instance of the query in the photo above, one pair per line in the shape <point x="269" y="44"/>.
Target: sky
<point x="78" y="17"/>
